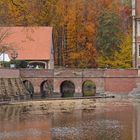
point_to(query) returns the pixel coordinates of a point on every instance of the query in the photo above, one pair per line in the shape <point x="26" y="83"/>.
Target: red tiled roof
<point x="31" y="43"/>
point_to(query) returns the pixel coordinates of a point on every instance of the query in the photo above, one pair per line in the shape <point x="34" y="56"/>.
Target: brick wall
<point x="120" y="85"/>
<point x="138" y="8"/>
<point x="110" y="80"/>
<point x="36" y="73"/>
<point x="9" y="73"/>
<point x="120" y="81"/>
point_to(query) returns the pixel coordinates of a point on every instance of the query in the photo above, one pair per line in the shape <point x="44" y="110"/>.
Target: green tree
<point x="109" y="33"/>
<point x="121" y="58"/>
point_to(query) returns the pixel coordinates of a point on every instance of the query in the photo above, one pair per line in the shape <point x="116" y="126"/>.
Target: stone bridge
<point x="57" y="82"/>
<point x="67" y="82"/>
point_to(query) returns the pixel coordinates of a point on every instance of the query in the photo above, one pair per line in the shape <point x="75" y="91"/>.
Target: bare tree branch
<point x="4" y="33"/>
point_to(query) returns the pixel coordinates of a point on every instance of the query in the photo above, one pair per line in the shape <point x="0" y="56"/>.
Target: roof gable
<point x="31" y="43"/>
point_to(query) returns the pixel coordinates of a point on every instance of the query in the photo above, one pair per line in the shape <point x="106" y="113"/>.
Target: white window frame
<point x="133" y="4"/>
<point x="138" y="49"/>
<point x="138" y="28"/>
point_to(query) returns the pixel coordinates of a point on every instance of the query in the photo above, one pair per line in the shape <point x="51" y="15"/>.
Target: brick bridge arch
<point x="67" y="89"/>
<point x="29" y="86"/>
<point x="38" y="84"/>
<point x="118" y="81"/>
<point x="57" y="77"/>
<point x="88" y="88"/>
<point x="108" y="80"/>
<point x="77" y="83"/>
<point x="46" y="88"/>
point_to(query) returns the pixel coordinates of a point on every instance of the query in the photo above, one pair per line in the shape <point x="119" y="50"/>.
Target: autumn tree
<point x="5" y="18"/>
<point x="85" y="32"/>
<point x="78" y="27"/>
<point x="108" y="33"/>
<point x="122" y="58"/>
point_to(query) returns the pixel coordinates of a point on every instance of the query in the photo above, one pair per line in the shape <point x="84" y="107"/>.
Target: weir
<point x="12" y="89"/>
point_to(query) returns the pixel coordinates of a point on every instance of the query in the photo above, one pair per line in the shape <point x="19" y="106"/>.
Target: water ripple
<point x="111" y="128"/>
<point x="27" y="132"/>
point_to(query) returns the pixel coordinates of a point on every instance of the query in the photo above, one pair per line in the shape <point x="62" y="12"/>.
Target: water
<point x="109" y="120"/>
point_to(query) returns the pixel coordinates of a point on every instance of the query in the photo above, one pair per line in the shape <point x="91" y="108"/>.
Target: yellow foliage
<point x="75" y="24"/>
<point x="121" y="58"/>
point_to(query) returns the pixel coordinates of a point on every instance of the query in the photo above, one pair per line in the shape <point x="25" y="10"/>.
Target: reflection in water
<point x="110" y="121"/>
<point x="30" y="128"/>
<point x="88" y="130"/>
<point x="138" y="122"/>
<point x="19" y="134"/>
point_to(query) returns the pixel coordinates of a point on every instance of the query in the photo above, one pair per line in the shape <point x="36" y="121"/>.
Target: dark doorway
<point x="46" y="89"/>
<point x="89" y="88"/>
<point x="67" y="89"/>
<point x="29" y="87"/>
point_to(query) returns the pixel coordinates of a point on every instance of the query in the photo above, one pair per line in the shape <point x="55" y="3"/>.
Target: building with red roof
<point x="33" y="44"/>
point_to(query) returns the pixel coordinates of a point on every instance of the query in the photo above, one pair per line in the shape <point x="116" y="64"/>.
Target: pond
<point x="109" y="120"/>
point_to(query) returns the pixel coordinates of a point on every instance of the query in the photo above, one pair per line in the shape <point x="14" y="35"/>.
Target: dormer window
<point x="138" y="28"/>
<point x="133" y="4"/>
<point x="139" y="50"/>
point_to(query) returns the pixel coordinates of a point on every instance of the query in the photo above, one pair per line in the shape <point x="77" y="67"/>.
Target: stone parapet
<point x="36" y="73"/>
<point x="9" y="73"/>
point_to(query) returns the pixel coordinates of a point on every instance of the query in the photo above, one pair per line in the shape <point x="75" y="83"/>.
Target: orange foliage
<point x="75" y="24"/>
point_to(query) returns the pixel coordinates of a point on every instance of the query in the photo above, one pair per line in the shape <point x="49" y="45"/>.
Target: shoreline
<point x="44" y="107"/>
<point x="47" y="106"/>
<point x="55" y="99"/>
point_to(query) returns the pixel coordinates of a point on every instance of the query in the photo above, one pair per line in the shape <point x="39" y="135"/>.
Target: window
<point x="138" y="28"/>
<point x="133" y="4"/>
<point x="139" y="50"/>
